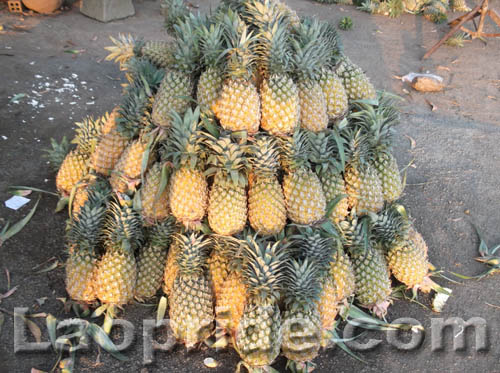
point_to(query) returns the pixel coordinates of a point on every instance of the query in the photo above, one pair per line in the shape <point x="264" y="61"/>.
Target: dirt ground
<point x="453" y="180"/>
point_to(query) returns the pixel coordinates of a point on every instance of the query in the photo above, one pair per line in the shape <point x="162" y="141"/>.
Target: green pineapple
<point x="177" y="85"/>
<point x="356" y="83"/>
<point x="151" y="259"/>
<point x="378" y="122"/>
<point x="278" y="92"/>
<point x="191" y="302"/>
<point x="258" y="335"/>
<point x="301" y="319"/>
<point x="227" y="205"/>
<point x="304" y="196"/>
<point x="117" y="270"/>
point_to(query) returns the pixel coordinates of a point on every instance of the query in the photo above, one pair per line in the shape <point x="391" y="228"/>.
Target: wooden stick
<point x="454" y="29"/>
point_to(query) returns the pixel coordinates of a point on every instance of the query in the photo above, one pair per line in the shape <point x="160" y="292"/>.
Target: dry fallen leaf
<point x="492" y="97"/>
<point x="433" y="107"/>
<point x="413" y="143"/>
<point x="443" y="68"/>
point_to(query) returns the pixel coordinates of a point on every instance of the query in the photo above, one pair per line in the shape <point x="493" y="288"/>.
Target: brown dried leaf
<point x="433" y="107"/>
<point x="9" y="293"/>
<point x="7" y="273"/>
<point x="443" y="68"/>
<point x="413" y="143"/>
<point x="34" y="329"/>
<point x="492" y="97"/>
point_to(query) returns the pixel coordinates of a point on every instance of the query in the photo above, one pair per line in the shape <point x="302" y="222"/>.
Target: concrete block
<point x="107" y="10"/>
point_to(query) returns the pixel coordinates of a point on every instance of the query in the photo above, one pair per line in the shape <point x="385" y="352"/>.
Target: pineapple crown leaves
<point x="227" y="158"/>
<point x="332" y="42"/>
<point x="132" y="112"/>
<point x="160" y="234"/>
<point x="263" y="269"/>
<point x="314" y="245"/>
<point x="273" y="52"/>
<point x="240" y="56"/>
<point x="186" y="52"/>
<point x="301" y="284"/>
<point x="193" y="254"/>
<point x="356" y="233"/>
<point x="87" y="134"/>
<point x="175" y="11"/>
<point x="295" y="150"/>
<point x="357" y="145"/>
<point x="144" y="74"/>
<point x="123" y="227"/>
<point x="124" y="48"/>
<point x="85" y="230"/>
<point x="309" y="51"/>
<point x="327" y="151"/>
<point x="263" y="155"/>
<point x="183" y="143"/>
<point x="391" y="226"/>
<point x="212" y="44"/>
<point x="377" y="121"/>
<point x="57" y="153"/>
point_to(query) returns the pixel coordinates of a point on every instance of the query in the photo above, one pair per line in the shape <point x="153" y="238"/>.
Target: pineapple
<point x="343" y="276"/>
<point x="74" y="167"/>
<point x="154" y="201"/>
<point x="128" y="168"/>
<point x="177" y="86"/>
<point x="191" y="301"/>
<point x="278" y="92"/>
<point x="117" y="271"/>
<point x="84" y="189"/>
<point x="171" y="267"/>
<point x="335" y="94"/>
<point x="87" y="134"/>
<point x="309" y="55"/>
<point x="363" y="186"/>
<point x="175" y="11"/>
<point x="356" y="83"/>
<point x="304" y="196"/>
<point x="378" y="122"/>
<point x="258" y="335"/>
<point x="188" y="187"/>
<point x="266" y="203"/>
<point x="211" y="79"/>
<point x="151" y="259"/>
<point x="227" y="206"/>
<point x="325" y="155"/>
<point x="159" y="52"/>
<point x="238" y="105"/>
<point x="218" y="263"/>
<point x="459" y="6"/>
<point x="83" y="239"/>
<point x="301" y="318"/>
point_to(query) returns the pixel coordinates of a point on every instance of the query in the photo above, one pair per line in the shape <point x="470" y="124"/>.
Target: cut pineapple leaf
<point x="103" y="340"/>
<point x="17" y="227"/>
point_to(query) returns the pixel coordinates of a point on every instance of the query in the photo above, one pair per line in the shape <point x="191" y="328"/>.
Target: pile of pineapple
<point x="248" y="175"/>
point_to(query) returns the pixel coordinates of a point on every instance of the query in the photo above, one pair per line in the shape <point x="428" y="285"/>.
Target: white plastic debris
<point x="16" y="202"/>
<point x="4" y="137"/>
<point x="210" y="362"/>
<point x="440" y="300"/>
<point x="424" y="82"/>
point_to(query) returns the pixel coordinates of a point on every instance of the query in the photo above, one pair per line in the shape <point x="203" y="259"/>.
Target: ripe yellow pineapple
<point x="227" y="205"/>
<point x="191" y="301"/>
<point x="188" y="190"/>
<point x="151" y="259"/>
<point x="218" y="263"/>
<point x="238" y="105"/>
<point x="342" y="274"/>
<point x="128" y="168"/>
<point x="278" y="93"/>
<point x="171" y="267"/>
<point x="74" y="167"/>
<point x="335" y="94"/>
<point x="87" y="133"/>
<point x="117" y="270"/>
<point x="304" y="196"/>
<point x="154" y="204"/>
<point x="266" y="203"/>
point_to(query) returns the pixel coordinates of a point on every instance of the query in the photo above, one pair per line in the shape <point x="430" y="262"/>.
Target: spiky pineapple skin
<point x="333" y="186"/>
<point x="171" y="96"/>
<point x="301" y="334"/>
<point x="313" y="114"/>
<point x="343" y="275"/>
<point x="188" y="195"/>
<point x="304" y="197"/>
<point x="150" y="266"/>
<point x="116" y="277"/>
<point x="258" y="336"/>
<point x="191" y="309"/>
<point x="327" y="303"/>
<point x="108" y="151"/>
<point x="230" y="304"/>
<point x="373" y="285"/>
<point x="218" y="270"/>
<point x="335" y="94"/>
<point x="238" y="106"/>
<point x="80" y="276"/>
<point x="280" y="105"/>
<point x="159" y="52"/>
<point x="364" y="189"/>
<point x="387" y="169"/>
<point x="171" y="268"/>
<point x="266" y="206"/>
<point x="227" y="207"/>
<point x="154" y="209"/>
<point x="72" y="170"/>
<point x="209" y="87"/>
<point x="356" y="83"/>
<point x="128" y="166"/>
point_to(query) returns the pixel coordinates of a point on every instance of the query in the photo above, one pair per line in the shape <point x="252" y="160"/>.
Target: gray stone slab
<point x="107" y="10"/>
